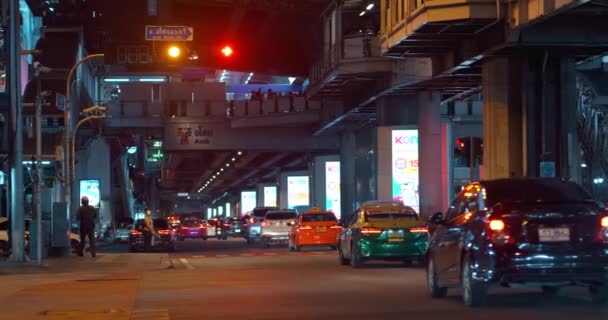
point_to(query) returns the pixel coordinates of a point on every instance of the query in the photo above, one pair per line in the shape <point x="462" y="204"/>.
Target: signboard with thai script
<point x="169" y="33"/>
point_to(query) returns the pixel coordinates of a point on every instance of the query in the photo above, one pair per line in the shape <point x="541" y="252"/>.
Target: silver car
<point x="276" y="226"/>
<point x="254" y="229"/>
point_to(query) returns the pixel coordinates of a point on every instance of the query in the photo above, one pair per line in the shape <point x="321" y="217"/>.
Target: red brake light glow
<point x="266" y="224"/>
<point x="371" y="231"/>
<point x="419" y="230"/>
<point x="305" y="228"/>
<point x="335" y="227"/>
<point x="135" y="232"/>
<point x="163" y="231"/>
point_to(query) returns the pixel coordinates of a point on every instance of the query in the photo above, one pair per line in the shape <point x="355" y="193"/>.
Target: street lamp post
<point x="67" y="127"/>
<point x="72" y="149"/>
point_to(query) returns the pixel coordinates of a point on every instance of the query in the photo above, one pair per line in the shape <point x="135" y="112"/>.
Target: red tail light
<point x="371" y="231"/>
<point x="163" y="231"/>
<point x="135" y="232"/>
<point x="419" y="230"/>
<point x="335" y="227"/>
<point x="602" y="235"/>
<point x="227" y="225"/>
<point x="266" y="224"/>
<point x="305" y="228"/>
<point x="251" y="220"/>
<point x="498" y="232"/>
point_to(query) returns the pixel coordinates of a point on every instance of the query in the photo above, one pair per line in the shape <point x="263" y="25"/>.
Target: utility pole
<point x="17" y="199"/>
<point x="38" y="179"/>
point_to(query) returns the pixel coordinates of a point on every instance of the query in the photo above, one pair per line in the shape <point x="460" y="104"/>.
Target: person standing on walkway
<point x="149" y="231"/>
<point x="86" y="215"/>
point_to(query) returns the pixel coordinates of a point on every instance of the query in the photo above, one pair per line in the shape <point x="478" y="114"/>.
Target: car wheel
<point x="473" y="293"/>
<point x="550" y="290"/>
<point x="599" y="294"/>
<point x="333" y="247"/>
<point x="266" y="244"/>
<point x="132" y="249"/>
<point x="250" y="241"/>
<point x="431" y="278"/>
<point x="297" y="247"/>
<point x="290" y="245"/>
<point x="343" y="261"/>
<point x="355" y="258"/>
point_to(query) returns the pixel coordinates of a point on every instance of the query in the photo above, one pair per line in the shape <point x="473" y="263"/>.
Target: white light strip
<point x="152" y="79"/>
<point x="116" y="80"/>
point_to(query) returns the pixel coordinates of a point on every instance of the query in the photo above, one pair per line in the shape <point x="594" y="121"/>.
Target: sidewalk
<point x="103" y="262"/>
<point x="72" y="287"/>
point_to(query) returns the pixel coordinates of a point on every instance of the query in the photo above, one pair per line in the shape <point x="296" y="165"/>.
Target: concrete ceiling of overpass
<point x="188" y="171"/>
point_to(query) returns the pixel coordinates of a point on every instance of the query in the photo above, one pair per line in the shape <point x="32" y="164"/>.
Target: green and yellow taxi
<point x="383" y="230"/>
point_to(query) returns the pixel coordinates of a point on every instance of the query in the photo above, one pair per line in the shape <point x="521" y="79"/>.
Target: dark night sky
<point x="264" y="41"/>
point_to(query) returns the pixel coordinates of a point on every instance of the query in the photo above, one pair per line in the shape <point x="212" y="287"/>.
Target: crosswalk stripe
<point x="187" y="264"/>
<point x="150" y="314"/>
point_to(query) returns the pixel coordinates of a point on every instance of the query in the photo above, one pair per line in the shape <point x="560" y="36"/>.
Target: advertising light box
<point x="298" y="191"/>
<point x="270" y="196"/>
<point x="228" y="212"/>
<point x="90" y="189"/>
<point x="332" y="187"/>
<point x="248" y="201"/>
<point x="405" y="167"/>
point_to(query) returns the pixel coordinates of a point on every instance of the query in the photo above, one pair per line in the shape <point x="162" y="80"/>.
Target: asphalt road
<point x="217" y="279"/>
<point x="228" y="279"/>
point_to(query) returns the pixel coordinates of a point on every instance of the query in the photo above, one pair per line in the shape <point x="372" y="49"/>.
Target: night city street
<point x="304" y="159"/>
<point x="216" y="279"/>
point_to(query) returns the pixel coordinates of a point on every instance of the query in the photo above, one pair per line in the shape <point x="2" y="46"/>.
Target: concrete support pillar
<point x="347" y="173"/>
<point x="430" y="190"/>
<point x="502" y="118"/>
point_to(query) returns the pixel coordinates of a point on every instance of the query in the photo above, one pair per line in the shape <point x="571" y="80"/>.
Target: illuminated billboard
<point x="90" y="189"/>
<point x="332" y="187"/>
<point x="298" y="191"/>
<point x="248" y="201"/>
<point x="270" y="196"/>
<point x="405" y="167"/>
<point x="228" y="212"/>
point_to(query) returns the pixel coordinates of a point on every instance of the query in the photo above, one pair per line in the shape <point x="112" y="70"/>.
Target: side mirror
<point x="437" y="218"/>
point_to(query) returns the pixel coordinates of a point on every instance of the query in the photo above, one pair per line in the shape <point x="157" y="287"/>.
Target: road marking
<point x="186" y="263"/>
<point x="222" y="255"/>
<point x="247" y="254"/>
<point x="270" y="253"/>
<point x="150" y="314"/>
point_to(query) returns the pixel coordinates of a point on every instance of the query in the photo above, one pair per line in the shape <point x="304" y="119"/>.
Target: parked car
<point x="316" y="228"/>
<point x="538" y="232"/>
<point x="383" y="230"/>
<point x="254" y="229"/>
<point x="164" y="240"/>
<point x="123" y="229"/>
<point x="276" y="226"/>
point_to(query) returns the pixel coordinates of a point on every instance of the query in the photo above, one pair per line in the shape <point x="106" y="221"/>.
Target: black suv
<point x="529" y="231"/>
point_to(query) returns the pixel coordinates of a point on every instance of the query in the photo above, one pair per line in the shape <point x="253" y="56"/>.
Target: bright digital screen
<point x="298" y="191"/>
<point x="228" y="213"/>
<point x="332" y="187"/>
<point x="220" y="211"/>
<point x="248" y="201"/>
<point x="405" y="167"/>
<point x="270" y="196"/>
<point x="214" y="212"/>
<point x="90" y="189"/>
<point x="209" y="213"/>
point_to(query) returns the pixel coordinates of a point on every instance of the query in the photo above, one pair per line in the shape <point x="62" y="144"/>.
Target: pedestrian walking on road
<point x="86" y="215"/>
<point x="148" y="231"/>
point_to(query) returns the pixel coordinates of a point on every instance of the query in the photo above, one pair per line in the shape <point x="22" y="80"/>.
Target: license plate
<point x="395" y="236"/>
<point x="321" y="229"/>
<point x="553" y="234"/>
<point x="237" y="230"/>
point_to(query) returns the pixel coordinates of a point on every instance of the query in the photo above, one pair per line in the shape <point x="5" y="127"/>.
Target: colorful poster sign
<point x="90" y="189"/>
<point x="332" y="187"/>
<point x="248" y="201"/>
<point x="270" y="196"/>
<point x="298" y="191"/>
<point x="405" y="167"/>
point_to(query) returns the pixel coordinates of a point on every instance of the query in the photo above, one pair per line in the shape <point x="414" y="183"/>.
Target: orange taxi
<point x="315" y="228"/>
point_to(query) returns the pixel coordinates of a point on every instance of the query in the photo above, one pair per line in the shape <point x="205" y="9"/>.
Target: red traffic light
<point x="227" y="51"/>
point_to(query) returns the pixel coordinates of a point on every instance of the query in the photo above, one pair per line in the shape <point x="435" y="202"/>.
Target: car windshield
<point x="161" y="224"/>
<point x="191" y="223"/>
<point x="534" y="191"/>
<point x="260" y="212"/>
<point x="283" y="215"/>
<point x="321" y="217"/>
